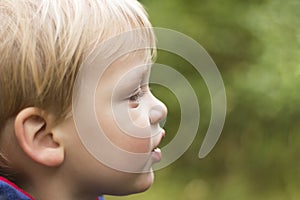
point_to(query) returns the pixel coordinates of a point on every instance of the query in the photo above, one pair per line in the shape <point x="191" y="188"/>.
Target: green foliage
<point x="256" y="46"/>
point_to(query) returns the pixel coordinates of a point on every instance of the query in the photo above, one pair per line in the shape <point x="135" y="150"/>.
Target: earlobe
<point x="33" y="130"/>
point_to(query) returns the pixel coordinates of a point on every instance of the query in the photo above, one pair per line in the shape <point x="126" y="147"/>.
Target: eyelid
<point x="139" y="92"/>
<point x="134" y="97"/>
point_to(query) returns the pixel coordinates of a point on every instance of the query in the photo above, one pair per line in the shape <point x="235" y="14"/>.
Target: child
<point x="43" y="44"/>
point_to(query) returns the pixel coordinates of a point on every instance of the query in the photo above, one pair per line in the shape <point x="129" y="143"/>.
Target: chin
<point x="144" y="182"/>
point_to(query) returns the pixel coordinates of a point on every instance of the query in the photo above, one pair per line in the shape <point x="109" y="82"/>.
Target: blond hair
<point x="44" y="42"/>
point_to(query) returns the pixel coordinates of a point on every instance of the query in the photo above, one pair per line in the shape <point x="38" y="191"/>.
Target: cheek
<point x="127" y="128"/>
<point x="134" y="145"/>
<point x="128" y="142"/>
<point x="139" y="118"/>
<point x="129" y="136"/>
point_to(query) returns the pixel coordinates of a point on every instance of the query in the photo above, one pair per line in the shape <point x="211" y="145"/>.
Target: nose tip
<point x="157" y="113"/>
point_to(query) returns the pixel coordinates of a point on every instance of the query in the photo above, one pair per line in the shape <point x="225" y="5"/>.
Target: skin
<point x="52" y="161"/>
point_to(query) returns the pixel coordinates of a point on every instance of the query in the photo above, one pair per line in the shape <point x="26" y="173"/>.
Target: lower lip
<point x="156" y="155"/>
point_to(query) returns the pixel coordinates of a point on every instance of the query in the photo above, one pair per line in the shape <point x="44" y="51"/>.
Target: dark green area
<point x="256" y="46"/>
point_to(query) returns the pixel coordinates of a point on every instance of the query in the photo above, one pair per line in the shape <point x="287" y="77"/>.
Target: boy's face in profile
<point x="129" y="117"/>
<point x="52" y="153"/>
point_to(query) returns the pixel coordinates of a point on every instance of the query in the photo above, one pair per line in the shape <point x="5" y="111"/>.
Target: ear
<point x="33" y="130"/>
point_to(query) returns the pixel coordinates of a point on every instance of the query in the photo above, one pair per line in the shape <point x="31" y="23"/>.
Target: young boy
<point x="43" y="45"/>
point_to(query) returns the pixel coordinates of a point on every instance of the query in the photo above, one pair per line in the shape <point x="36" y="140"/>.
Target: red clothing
<point x="10" y="191"/>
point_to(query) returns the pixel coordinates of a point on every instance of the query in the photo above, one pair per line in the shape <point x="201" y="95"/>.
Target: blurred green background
<point x="256" y="46"/>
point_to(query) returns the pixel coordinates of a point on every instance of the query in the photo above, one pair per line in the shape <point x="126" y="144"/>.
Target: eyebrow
<point x="146" y="71"/>
<point x="137" y="77"/>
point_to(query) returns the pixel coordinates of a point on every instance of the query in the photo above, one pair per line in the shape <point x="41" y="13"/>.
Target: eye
<point x="136" y="96"/>
<point x="134" y="100"/>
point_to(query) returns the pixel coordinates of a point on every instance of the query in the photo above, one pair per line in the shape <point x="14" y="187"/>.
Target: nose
<point x="157" y="112"/>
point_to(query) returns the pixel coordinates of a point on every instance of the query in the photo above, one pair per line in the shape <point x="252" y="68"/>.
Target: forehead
<point x="125" y="74"/>
<point x="134" y="64"/>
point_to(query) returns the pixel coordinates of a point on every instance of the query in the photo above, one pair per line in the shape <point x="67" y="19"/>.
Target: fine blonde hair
<point x="44" y="42"/>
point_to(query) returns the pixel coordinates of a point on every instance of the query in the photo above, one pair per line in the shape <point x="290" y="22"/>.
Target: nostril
<point x="155" y="116"/>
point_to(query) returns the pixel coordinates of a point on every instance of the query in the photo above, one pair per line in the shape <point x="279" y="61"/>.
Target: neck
<point x="56" y="187"/>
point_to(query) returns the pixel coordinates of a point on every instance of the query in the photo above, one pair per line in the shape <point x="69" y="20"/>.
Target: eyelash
<point x="137" y="96"/>
<point x="134" y="100"/>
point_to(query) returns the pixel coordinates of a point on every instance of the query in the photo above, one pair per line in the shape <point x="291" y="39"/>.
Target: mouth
<point x="156" y="152"/>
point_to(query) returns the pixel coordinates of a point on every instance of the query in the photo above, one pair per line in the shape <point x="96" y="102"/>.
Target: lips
<point x="156" y="152"/>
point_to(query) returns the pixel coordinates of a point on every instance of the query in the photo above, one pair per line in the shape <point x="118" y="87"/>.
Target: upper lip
<point x="162" y="135"/>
